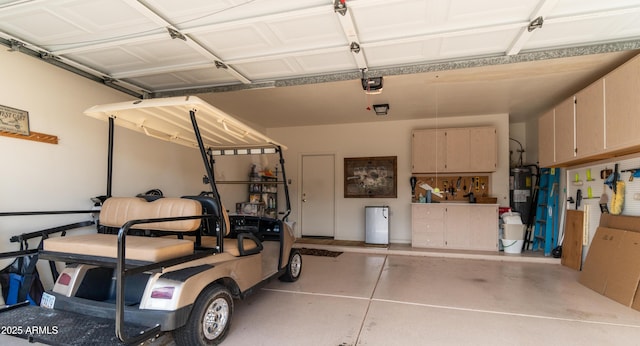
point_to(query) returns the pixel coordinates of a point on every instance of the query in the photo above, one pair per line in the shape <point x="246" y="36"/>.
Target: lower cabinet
<point x="454" y="226"/>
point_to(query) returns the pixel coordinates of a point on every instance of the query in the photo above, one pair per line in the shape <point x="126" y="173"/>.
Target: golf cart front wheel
<point x="294" y="267"/>
<point x="210" y="318"/>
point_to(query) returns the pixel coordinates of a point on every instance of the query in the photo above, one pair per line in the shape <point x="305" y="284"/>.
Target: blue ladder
<point x="546" y="226"/>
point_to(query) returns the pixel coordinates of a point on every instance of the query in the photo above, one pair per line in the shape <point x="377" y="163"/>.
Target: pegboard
<point x="577" y="179"/>
<point x="480" y="185"/>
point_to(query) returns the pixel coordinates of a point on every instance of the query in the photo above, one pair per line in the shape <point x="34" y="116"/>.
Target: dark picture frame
<point x="371" y="177"/>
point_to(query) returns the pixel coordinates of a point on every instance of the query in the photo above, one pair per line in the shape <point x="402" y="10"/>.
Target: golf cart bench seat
<point x="238" y="245"/>
<point x="116" y="211"/>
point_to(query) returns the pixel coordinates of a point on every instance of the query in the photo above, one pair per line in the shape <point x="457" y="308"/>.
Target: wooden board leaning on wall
<point x="454" y="185"/>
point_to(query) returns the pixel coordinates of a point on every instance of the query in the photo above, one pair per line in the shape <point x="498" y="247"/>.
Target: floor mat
<point x="320" y="252"/>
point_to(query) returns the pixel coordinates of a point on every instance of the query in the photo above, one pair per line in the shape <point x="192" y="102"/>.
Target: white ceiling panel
<point x="317" y="63"/>
<point x="160" y="47"/>
<point x="577" y="32"/>
<point x="482" y="43"/>
<point x="308" y="32"/>
<point x="61" y="24"/>
<point x="194" y="13"/>
<point x="403" y="53"/>
<point x="269" y="69"/>
<point x="197" y="78"/>
<point x="566" y="8"/>
<point x="275" y="37"/>
<point x="414" y="18"/>
<point x="238" y="41"/>
<point x="148" y="56"/>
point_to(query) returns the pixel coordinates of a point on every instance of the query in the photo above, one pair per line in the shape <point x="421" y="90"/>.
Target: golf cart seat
<point x="116" y="211"/>
<point x="241" y="244"/>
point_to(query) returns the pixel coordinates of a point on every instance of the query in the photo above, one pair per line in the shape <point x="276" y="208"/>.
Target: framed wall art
<point x="14" y="120"/>
<point x="370" y="177"/>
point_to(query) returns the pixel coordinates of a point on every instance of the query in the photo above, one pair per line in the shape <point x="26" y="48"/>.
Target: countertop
<point x="459" y="203"/>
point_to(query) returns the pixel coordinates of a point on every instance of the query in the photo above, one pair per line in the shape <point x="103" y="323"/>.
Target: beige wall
<point x="38" y="176"/>
<point x="384" y="138"/>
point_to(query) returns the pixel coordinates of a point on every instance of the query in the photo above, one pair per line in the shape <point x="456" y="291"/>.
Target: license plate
<point x="48" y="300"/>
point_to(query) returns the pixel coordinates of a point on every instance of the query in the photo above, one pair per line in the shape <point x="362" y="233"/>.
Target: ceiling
<point x="280" y="63"/>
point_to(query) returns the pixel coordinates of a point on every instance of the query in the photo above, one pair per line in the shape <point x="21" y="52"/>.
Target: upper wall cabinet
<point x="622" y="87"/>
<point x="454" y="150"/>
<point x="590" y="120"/>
<point x="428" y="150"/>
<point x="564" y="130"/>
<point x="600" y="121"/>
<point x="546" y="139"/>
<point x="556" y="134"/>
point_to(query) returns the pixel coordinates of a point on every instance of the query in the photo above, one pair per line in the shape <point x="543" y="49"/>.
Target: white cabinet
<point x="546" y="139"/>
<point x="428" y="150"/>
<point x="427" y="224"/>
<point x="600" y="121"/>
<point x="454" y="150"/>
<point x="457" y="150"/>
<point x="454" y="226"/>
<point x="556" y="134"/>
<point x="622" y="87"/>
<point x="590" y="120"/>
<point x="564" y="130"/>
<point x="483" y="149"/>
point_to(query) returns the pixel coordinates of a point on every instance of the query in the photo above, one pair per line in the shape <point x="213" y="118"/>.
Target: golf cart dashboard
<point x="264" y="228"/>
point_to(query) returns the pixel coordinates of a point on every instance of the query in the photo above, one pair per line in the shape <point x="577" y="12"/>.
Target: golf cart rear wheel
<point x="294" y="267"/>
<point x="210" y="318"/>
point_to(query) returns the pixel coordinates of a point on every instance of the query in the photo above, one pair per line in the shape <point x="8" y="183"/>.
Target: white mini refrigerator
<point x="376" y="225"/>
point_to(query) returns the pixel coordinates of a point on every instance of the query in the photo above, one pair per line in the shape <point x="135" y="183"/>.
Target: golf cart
<point x="163" y="264"/>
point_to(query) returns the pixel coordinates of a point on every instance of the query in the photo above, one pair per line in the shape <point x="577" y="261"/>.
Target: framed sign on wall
<point x="370" y="177"/>
<point x="14" y="120"/>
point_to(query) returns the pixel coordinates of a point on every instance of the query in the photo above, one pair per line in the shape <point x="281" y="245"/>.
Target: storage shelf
<point x="249" y="182"/>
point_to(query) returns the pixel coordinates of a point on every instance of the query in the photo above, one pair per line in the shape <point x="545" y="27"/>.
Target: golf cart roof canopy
<point x="169" y="119"/>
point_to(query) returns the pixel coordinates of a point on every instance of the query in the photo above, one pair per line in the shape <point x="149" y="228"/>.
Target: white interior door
<point x="318" y="195"/>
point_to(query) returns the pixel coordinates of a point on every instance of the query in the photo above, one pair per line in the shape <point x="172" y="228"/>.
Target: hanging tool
<point x="603" y="203"/>
<point x="445" y="184"/>
<point x="477" y="182"/>
<point x="635" y="173"/>
<point x="612" y="178"/>
<point x="578" y="198"/>
<point x="455" y="190"/>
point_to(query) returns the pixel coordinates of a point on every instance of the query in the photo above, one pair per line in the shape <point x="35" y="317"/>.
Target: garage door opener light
<point x="381" y="109"/>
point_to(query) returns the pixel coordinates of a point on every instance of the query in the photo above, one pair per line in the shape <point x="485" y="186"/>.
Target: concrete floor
<point x="383" y="298"/>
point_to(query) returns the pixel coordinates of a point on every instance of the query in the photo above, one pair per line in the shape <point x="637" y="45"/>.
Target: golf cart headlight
<point x="163" y="292"/>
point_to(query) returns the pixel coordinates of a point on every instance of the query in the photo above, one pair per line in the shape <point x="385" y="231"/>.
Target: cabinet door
<point x="428" y="151"/>
<point x="483" y="149"/>
<point x="622" y="106"/>
<point x="484" y="227"/>
<point x="427" y="225"/>
<point x="457" y="159"/>
<point x="546" y="143"/>
<point x="590" y="120"/>
<point x="457" y="234"/>
<point x="565" y="130"/>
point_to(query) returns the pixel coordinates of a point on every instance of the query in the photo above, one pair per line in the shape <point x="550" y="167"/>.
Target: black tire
<point x="216" y="303"/>
<point x="294" y="267"/>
